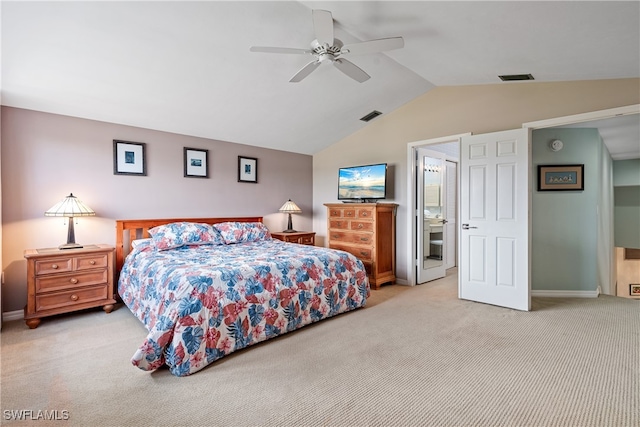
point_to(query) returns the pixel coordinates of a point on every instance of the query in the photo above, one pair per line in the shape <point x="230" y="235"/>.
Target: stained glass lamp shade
<point x="289" y="207"/>
<point x="70" y="207"/>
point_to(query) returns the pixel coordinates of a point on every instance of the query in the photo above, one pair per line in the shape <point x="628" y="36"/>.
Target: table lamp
<point x="70" y="207"/>
<point x="289" y="207"/>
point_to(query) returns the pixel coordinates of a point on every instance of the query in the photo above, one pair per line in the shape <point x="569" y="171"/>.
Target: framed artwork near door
<point x="560" y="177"/>
<point x="634" y="289"/>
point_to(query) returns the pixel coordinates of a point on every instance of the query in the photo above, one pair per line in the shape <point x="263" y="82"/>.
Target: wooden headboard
<point x="127" y="230"/>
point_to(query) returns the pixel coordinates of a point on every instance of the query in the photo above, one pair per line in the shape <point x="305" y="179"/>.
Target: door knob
<point x="466" y="227"/>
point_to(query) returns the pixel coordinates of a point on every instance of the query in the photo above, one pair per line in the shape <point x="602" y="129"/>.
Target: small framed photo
<point x="196" y="163"/>
<point x="634" y="289"/>
<point x="560" y="177"/>
<point x="247" y="169"/>
<point x="129" y="158"/>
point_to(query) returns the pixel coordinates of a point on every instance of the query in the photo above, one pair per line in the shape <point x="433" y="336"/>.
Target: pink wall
<point x="47" y="156"/>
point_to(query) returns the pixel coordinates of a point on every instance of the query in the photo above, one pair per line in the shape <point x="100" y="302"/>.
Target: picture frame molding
<point x="190" y="169"/>
<point x="139" y="167"/>
<point x="244" y="175"/>
<point x="545" y="170"/>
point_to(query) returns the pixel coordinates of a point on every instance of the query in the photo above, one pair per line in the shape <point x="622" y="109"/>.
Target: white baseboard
<point x="13" y="315"/>
<point x="565" y="294"/>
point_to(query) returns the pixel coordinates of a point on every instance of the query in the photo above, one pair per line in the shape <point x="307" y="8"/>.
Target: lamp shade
<point x="70" y="206"/>
<point x="290" y="207"/>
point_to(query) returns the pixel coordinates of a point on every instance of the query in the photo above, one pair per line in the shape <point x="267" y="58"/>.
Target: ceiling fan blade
<point x="305" y="71"/>
<point x="323" y="26"/>
<point x="267" y="49"/>
<point x="373" y="46"/>
<point x="351" y="70"/>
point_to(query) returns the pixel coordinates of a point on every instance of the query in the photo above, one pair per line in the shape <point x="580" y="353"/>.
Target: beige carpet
<point x="412" y="357"/>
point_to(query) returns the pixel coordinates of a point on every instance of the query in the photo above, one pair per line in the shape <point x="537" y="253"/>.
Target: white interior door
<point x="494" y="219"/>
<point x="432" y="210"/>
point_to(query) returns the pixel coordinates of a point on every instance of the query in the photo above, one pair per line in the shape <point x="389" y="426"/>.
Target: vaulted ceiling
<point x="185" y="67"/>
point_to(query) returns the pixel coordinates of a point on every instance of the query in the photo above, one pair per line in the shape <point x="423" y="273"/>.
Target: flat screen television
<point x="362" y="183"/>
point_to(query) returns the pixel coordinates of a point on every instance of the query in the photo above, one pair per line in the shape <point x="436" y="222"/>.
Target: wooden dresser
<point x="65" y="280"/>
<point x="301" y="237"/>
<point x="368" y="231"/>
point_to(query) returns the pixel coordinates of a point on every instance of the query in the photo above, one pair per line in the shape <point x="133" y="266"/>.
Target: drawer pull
<point x="335" y="236"/>
<point x="349" y="214"/>
<point x="363" y="253"/>
<point x="73" y="280"/>
<point x="54" y="266"/>
<point x="92" y="262"/>
<point x="365" y="213"/>
<point x="360" y="225"/>
<point x="364" y="239"/>
<point x="74" y="297"/>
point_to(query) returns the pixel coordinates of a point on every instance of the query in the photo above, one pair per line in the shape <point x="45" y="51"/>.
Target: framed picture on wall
<point x="196" y="163"/>
<point x="634" y="289"/>
<point x="129" y="158"/>
<point x="247" y="169"/>
<point x="560" y="177"/>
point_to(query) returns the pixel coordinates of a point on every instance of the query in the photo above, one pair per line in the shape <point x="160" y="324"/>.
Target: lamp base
<point x="290" y="231"/>
<point x="70" y="246"/>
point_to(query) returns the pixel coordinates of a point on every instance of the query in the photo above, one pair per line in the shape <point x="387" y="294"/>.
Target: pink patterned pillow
<point x="241" y="232"/>
<point x="179" y="234"/>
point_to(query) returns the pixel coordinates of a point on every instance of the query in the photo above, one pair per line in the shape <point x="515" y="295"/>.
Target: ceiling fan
<point x="326" y="48"/>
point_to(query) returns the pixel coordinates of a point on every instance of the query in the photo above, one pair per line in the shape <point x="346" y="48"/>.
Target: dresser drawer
<point x="339" y="224"/>
<point x="91" y="261"/>
<point x="343" y="212"/>
<point x="72" y="297"/>
<point x="362" y="253"/>
<point x="364" y="213"/>
<point x="53" y="265"/>
<point x="359" y="238"/>
<point x="361" y="226"/>
<point x="69" y="281"/>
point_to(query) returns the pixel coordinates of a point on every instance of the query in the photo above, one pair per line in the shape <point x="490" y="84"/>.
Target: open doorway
<point x="433" y="190"/>
<point x="582" y="225"/>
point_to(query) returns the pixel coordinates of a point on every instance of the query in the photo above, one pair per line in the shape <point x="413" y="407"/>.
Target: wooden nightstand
<point x="301" y="237"/>
<point x="65" y="280"/>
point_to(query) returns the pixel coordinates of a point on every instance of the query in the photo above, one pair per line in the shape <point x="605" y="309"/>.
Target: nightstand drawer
<point x="70" y="298"/>
<point x="54" y="265"/>
<point x="69" y="281"/>
<point x="300" y="237"/>
<point x="307" y="239"/>
<point x="94" y="261"/>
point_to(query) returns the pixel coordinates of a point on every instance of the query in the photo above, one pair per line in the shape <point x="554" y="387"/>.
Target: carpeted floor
<point x="413" y="357"/>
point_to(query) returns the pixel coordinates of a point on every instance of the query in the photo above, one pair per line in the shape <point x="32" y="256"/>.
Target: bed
<point x="206" y="287"/>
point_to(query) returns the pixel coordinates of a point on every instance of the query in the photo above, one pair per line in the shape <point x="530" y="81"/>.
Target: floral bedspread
<point x="200" y="303"/>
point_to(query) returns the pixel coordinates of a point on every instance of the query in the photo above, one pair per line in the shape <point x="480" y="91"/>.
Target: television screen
<point x="362" y="182"/>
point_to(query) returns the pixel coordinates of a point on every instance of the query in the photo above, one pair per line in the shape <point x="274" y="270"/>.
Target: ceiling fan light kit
<point x="328" y="49"/>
